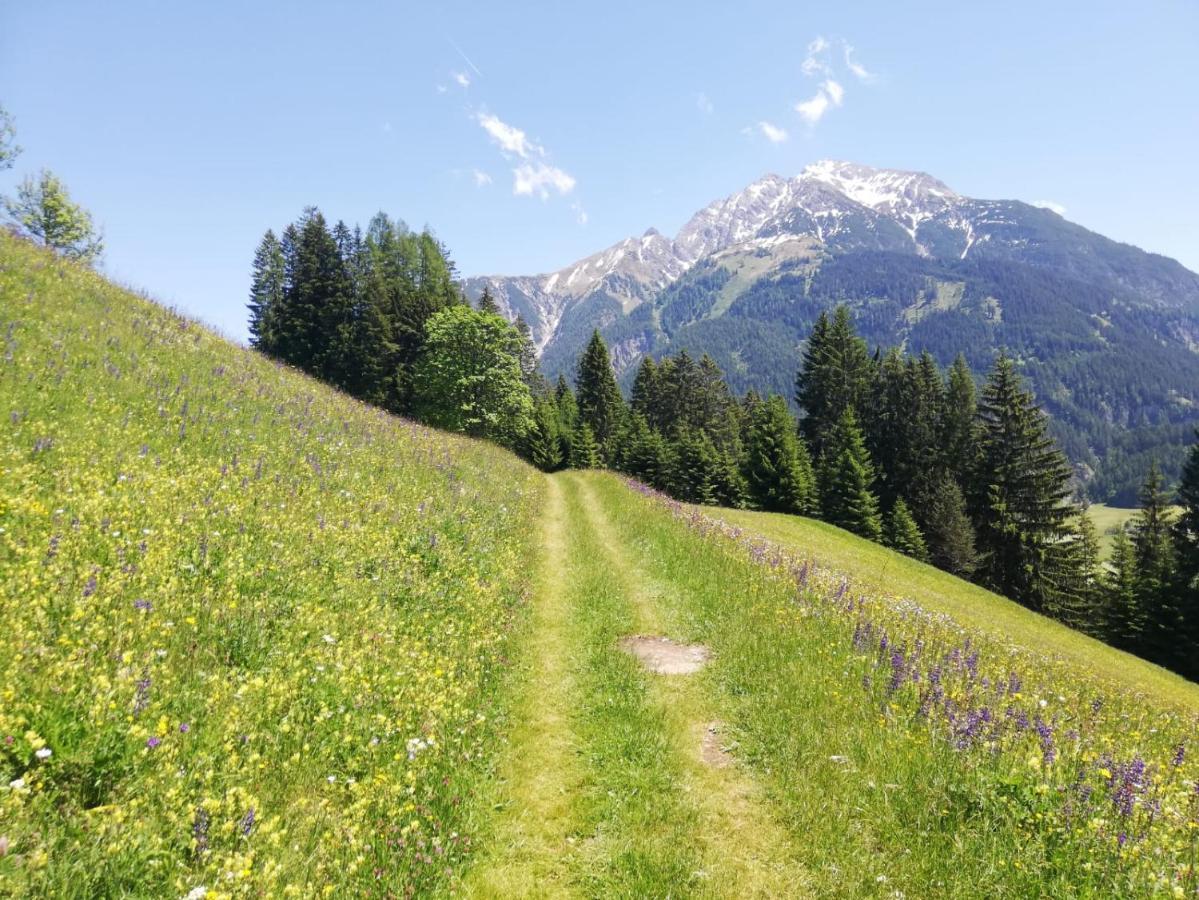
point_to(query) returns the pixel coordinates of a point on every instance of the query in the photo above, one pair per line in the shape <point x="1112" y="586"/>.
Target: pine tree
<point x="1084" y="606"/>
<point x="845" y="481"/>
<point x="487" y="302"/>
<point x="778" y="469"/>
<point x="834" y="377"/>
<point x="1125" y="619"/>
<point x="545" y="443"/>
<point x="266" y="292"/>
<point x="950" y="534"/>
<point x="1186" y="556"/>
<point x="696" y="475"/>
<point x="600" y="403"/>
<point x="568" y="416"/>
<point x="583" y="451"/>
<point x="644" y="400"/>
<point x="1154" y="553"/>
<point x="959" y="436"/>
<point x="530" y="368"/>
<point x="903" y="534"/>
<point x="644" y="454"/>
<point x="1022" y="507"/>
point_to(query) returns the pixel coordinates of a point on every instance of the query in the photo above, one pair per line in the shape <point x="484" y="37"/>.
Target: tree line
<point x="886" y="444"/>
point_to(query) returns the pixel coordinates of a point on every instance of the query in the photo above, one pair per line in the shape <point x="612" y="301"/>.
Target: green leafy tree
<point x="950" y="534"/>
<point x="267" y="286"/>
<point x="9" y="150"/>
<point x="903" y="534"/>
<point x="468" y="378"/>
<point x="600" y="403"/>
<point x="43" y="211"/>
<point x="845" y="481"/>
<point x="778" y="470"/>
<point x="1024" y="485"/>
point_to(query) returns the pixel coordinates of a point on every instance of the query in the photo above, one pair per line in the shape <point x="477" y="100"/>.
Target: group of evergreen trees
<point x="893" y="449"/>
<point x="886" y="445"/>
<point x="381" y="317"/>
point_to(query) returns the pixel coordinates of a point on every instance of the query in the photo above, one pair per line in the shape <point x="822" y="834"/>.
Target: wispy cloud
<point x="535" y="175"/>
<point x="1051" y="206"/>
<point x="540" y="179"/>
<point x="831" y="92"/>
<point x="580" y="213"/>
<point x="703" y="104"/>
<point x="465" y="58"/>
<point x="772" y="132"/>
<point x="462" y="78"/>
<point x="510" y="138"/>
<point x="482" y="179"/>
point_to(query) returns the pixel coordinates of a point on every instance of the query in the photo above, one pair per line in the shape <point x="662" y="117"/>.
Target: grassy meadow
<point x="253" y="630"/>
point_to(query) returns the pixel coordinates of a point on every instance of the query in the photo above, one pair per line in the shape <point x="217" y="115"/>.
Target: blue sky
<point x="529" y="135"/>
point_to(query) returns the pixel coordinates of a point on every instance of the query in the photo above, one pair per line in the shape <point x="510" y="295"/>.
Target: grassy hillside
<point x="253" y="630"/>
<point x="884" y="573"/>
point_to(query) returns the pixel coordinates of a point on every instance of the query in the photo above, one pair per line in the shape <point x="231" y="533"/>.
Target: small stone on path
<point x="712" y="749"/>
<point x="664" y="657"/>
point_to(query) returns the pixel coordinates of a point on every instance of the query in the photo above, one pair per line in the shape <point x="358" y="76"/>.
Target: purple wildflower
<point x="144" y="605"/>
<point x="152" y="742"/>
<point x="247" y="822"/>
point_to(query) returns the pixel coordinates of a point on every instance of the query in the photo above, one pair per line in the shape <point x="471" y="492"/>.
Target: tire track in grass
<point x="530" y="849"/>
<point x="746" y="853"/>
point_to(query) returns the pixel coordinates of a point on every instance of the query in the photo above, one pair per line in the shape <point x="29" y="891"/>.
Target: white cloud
<point x="1051" y="206"/>
<point x="482" y="179"/>
<point x="462" y="78"/>
<point x="835" y="92"/>
<point x="580" y="213"/>
<point x="540" y="179"/>
<point x="773" y="133"/>
<point x="441" y="88"/>
<point x="511" y="139"/>
<point x="816" y="62"/>
<point x="813" y="110"/>
<point x="704" y="104"/>
<point x="859" y="70"/>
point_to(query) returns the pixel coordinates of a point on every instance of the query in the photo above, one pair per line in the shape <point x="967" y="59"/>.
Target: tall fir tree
<point x="1186" y="554"/>
<point x="584" y="454"/>
<point x="601" y="406"/>
<point x="778" y="470"/>
<point x="1154" y="553"/>
<point x="545" y="441"/>
<point x="487" y="302"/>
<point x="846" y="476"/>
<point x="644" y="399"/>
<point x="958" y="425"/>
<point x="834" y="377"/>
<point x="1021" y="497"/>
<point x="267" y="285"/>
<point x="1125" y="620"/>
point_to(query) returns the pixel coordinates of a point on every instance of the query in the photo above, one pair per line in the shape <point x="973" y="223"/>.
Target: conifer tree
<point x="1084" y="605"/>
<point x="833" y="377"/>
<point x="950" y="534"/>
<point x="568" y="416"/>
<point x="1022" y="507"/>
<point x="903" y="534"/>
<point x="1125" y="621"/>
<point x="545" y="443"/>
<point x="583" y="451"/>
<point x="778" y="469"/>
<point x="1154" y="553"/>
<point x="959" y="438"/>
<point x="845" y="481"/>
<point x="487" y="302"/>
<point x="644" y="397"/>
<point x="266" y="292"/>
<point x="530" y="368"/>
<point x="644" y="453"/>
<point x="696" y="474"/>
<point x="600" y="403"/>
<point x="1186" y="547"/>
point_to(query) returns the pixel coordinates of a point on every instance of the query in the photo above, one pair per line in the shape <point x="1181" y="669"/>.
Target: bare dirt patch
<point x="712" y="747"/>
<point x="663" y="656"/>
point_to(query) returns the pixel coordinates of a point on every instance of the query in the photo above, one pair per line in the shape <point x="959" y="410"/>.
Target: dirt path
<point x="617" y="781"/>
<point x="746" y="853"/>
<point x="531" y="849"/>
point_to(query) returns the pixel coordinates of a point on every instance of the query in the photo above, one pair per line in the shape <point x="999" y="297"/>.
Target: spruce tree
<point x="778" y="470"/>
<point x="1125" y="620"/>
<point x="845" y="481"/>
<point x="644" y="453"/>
<point x="1154" y="553"/>
<point x="600" y="403"/>
<point x="958" y="426"/>
<point x="1186" y="555"/>
<point x="1084" y="606"/>
<point x="266" y="293"/>
<point x="950" y="534"/>
<point x="695" y="477"/>
<point x="487" y="302"/>
<point x="583" y="451"/>
<point x="544" y="442"/>
<point x="644" y="399"/>
<point x="1021" y="501"/>
<point x="834" y="377"/>
<point x="530" y="368"/>
<point x="903" y="534"/>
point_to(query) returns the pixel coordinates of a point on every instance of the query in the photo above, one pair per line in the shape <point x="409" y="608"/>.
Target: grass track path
<point x="603" y="788"/>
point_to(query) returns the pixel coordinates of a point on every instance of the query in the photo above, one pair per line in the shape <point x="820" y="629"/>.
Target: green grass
<point x="261" y="629"/>
<point x="885" y="572"/>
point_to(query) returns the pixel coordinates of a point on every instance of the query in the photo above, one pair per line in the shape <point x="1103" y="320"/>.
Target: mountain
<point x="1107" y="334"/>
